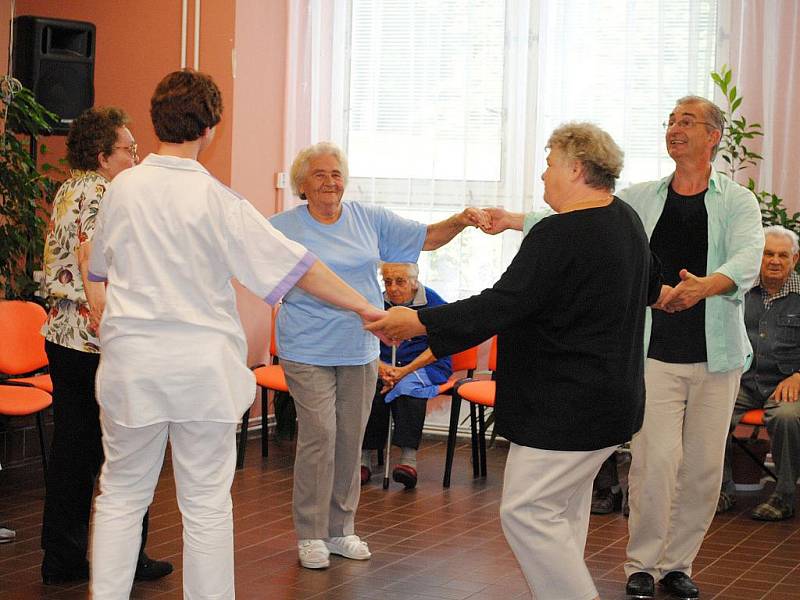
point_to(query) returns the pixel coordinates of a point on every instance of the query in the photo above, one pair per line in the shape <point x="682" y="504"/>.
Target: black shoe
<point x="605" y="501"/>
<point x="641" y="585"/>
<point x="148" y="569"/>
<point x="680" y="585"/>
<point x="52" y="576"/>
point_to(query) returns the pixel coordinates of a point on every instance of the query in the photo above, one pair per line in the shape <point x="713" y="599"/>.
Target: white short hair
<point x="413" y="268"/>
<point x="781" y="231"/>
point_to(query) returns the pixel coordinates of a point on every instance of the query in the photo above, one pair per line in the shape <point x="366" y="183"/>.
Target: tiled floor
<point x="427" y="544"/>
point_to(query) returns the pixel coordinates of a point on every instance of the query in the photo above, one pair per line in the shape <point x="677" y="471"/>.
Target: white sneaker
<point x="349" y="546"/>
<point x="313" y="554"/>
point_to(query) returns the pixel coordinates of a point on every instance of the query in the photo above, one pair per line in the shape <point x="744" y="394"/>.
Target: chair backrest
<point x="493" y="356"/>
<point x="21" y="341"/>
<point x="466" y="360"/>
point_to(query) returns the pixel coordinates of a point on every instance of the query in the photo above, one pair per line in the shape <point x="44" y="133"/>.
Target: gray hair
<point x="413" y="268"/>
<point x="780" y="231"/>
<point x="299" y="170"/>
<point x="595" y="149"/>
<point x="712" y="114"/>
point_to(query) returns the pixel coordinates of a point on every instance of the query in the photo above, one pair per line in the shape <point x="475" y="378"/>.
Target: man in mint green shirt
<point x="706" y="229"/>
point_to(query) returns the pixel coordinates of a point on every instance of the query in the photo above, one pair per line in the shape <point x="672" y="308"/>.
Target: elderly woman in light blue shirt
<point x="329" y="360"/>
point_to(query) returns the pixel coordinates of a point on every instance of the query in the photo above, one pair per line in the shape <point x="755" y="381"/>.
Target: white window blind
<point x="449" y="103"/>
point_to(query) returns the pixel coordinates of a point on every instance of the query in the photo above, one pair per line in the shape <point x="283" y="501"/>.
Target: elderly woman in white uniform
<point x="169" y="240"/>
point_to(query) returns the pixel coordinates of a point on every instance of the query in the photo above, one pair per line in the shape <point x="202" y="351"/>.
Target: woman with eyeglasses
<point x="99" y="147"/>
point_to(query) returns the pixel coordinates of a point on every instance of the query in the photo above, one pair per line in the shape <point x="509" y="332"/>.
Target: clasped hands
<point x="685" y="295"/>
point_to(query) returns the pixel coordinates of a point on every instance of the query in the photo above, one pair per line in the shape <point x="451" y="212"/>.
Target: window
<point x="446" y="103"/>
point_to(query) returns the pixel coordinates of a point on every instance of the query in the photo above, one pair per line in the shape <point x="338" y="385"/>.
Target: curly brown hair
<point x="184" y="104"/>
<point x="92" y="133"/>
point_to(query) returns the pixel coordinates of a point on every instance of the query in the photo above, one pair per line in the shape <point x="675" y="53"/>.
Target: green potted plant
<point x="733" y="149"/>
<point x="26" y="190"/>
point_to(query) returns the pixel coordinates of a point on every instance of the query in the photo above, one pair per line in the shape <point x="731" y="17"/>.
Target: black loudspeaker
<point x="54" y="58"/>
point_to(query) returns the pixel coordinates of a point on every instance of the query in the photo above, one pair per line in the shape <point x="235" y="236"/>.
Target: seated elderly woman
<point x="330" y="362"/>
<point x="569" y="316"/>
<point x="403" y="390"/>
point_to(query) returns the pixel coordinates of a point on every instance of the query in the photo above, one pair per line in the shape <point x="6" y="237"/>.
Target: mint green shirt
<point x="735" y="247"/>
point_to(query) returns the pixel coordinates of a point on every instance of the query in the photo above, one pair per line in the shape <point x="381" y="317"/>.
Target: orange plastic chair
<point x="479" y="393"/>
<point x="22" y="355"/>
<point x="268" y="377"/>
<point x="21" y="400"/>
<point x="466" y="360"/>
<point x="24" y="390"/>
<point x="754" y="418"/>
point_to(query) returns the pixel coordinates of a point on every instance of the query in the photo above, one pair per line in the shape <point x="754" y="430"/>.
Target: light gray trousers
<point x="333" y="405"/>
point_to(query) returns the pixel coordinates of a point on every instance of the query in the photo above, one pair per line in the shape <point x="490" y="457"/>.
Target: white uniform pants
<point x="203" y="462"/>
<point x="676" y="464"/>
<point x="547" y="496"/>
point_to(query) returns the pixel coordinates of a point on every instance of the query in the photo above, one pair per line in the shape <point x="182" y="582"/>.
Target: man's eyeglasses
<point x="132" y="149"/>
<point x="684" y="123"/>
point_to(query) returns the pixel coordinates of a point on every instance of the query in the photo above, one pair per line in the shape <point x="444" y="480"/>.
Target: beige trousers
<point x="547" y="496"/>
<point x="676" y="464"/>
<point x="333" y="405"/>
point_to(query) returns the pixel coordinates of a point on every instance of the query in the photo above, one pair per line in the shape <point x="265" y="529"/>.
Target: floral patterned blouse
<point x="72" y="223"/>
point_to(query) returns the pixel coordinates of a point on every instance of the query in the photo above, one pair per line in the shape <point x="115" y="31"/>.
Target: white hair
<point x="412" y="268"/>
<point x="779" y="230"/>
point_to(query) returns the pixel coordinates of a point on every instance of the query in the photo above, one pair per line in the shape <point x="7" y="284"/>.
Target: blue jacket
<point x="438" y="372"/>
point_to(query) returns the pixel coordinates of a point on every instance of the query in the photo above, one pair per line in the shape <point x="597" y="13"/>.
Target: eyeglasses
<point x="132" y="149"/>
<point x="684" y="123"/>
<point x="399" y="281"/>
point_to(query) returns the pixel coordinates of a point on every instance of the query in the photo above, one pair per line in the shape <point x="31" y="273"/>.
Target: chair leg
<point x="743" y="446"/>
<point x="242" y="439"/>
<point x="482" y="438"/>
<point x="264" y="422"/>
<point x="473" y="427"/>
<point x="42" y="442"/>
<point x="455" y="409"/>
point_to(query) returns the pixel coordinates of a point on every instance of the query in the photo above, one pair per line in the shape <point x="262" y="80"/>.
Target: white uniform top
<point x="169" y="238"/>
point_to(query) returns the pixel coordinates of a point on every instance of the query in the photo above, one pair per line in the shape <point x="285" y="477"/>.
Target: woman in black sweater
<point x="569" y="315"/>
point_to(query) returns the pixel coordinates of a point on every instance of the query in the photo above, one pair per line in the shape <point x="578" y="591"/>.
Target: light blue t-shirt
<point x="313" y="332"/>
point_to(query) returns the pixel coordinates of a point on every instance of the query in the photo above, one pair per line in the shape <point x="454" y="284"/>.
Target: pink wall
<point x="765" y="58"/>
<point x="139" y="42"/>
<point x="257" y="151"/>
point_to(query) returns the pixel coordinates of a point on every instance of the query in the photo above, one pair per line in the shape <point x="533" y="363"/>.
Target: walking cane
<point x="389" y="434"/>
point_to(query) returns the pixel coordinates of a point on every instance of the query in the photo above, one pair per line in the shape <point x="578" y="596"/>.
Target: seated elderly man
<point x="772" y="318"/>
<point x="408" y="398"/>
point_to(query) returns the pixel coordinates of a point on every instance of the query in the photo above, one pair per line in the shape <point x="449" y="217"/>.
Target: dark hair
<point x="184" y="104"/>
<point x="93" y="132"/>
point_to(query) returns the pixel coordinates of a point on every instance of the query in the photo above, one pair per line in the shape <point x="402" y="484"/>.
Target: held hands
<point x="787" y="390"/>
<point x="685" y="295"/>
<point x="398" y="323"/>
<point x="499" y="220"/>
<point x="475" y="217"/>
<point x="666" y="290"/>
<point x="371" y="315"/>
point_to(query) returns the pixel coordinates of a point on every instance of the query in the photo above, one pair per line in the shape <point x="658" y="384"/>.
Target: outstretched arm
<point x="326" y="285"/>
<point x="501" y="219"/>
<point x="442" y="232"/>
